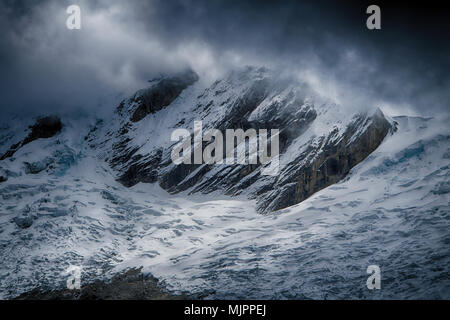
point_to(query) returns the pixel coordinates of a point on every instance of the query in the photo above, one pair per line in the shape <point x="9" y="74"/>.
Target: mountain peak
<point x="318" y="144"/>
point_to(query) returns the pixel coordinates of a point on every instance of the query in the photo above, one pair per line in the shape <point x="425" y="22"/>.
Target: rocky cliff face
<point x="161" y="94"/>
<point x="319" y="141"/>
<point x="45" y="127"/>
<point x="326" y="162"/>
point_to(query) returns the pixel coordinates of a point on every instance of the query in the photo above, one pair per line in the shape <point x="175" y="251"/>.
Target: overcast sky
<point x="44" y="67"/>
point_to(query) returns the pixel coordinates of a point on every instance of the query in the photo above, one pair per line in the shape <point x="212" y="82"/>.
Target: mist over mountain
<point x="122" y="45"/>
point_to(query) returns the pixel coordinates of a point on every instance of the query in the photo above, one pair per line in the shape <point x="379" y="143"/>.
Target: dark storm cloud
<point x="124" y="43"/>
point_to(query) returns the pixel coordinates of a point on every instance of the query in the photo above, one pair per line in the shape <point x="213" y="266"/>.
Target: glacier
<point x="392" y="210"/>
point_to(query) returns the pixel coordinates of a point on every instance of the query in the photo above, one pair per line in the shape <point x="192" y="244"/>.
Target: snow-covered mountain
<point x="353" y="189"/>
<point x="319" y="141"/>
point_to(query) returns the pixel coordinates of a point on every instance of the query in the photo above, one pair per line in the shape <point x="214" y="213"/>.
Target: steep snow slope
<point x="392" y="210"/>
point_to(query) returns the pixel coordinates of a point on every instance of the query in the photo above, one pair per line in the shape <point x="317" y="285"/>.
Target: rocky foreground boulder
<point x="129" y="285"/>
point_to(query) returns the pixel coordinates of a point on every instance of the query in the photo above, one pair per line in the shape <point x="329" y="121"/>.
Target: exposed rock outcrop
<point x="130" y="285"/>
<point x="328" y="163"/>
<point x="45" y="127"/>
<point x="23" y="222"/>
<point x="161" y="94"/>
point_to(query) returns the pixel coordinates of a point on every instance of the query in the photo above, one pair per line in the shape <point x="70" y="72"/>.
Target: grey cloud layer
<point x="122" y="44"/>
